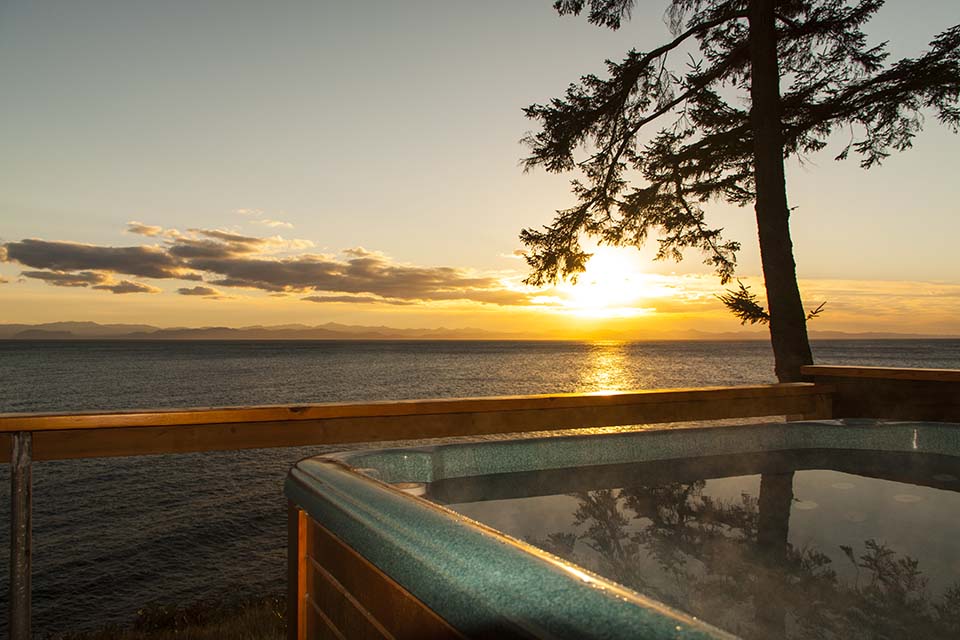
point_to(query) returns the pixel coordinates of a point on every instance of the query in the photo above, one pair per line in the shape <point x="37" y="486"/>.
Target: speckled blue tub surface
<point x="802" y="529"/>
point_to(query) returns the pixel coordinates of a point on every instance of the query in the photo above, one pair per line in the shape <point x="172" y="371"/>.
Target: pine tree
<point x="804" y="70"/>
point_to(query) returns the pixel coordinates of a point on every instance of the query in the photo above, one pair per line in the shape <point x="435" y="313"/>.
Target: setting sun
<point x="613" y="286"/>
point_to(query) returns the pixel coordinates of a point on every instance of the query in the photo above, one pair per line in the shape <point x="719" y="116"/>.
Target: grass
<point x="261" y="619"/>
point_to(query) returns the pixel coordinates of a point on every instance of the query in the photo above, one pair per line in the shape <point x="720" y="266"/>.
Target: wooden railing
<point x="133" y="433"/>
<point x="28" y="437"/>
<point x="25" y="438"/>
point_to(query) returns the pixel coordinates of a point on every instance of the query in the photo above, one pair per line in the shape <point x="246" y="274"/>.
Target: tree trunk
<point x="788" y="325"/>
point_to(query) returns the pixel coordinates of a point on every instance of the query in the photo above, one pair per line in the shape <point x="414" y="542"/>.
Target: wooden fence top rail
<point x="13" y="422"/>
<point x="95" y="435"/>
<point x="888" y="373"/>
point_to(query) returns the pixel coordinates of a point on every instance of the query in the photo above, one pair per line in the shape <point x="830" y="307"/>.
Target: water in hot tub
<point x="806" y="553"/>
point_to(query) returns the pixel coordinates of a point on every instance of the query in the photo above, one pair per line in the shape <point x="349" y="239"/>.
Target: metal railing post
<point x="21" y="482"/>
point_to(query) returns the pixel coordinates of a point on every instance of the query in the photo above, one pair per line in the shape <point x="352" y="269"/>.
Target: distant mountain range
<point x="334" y="331"/>
<point x="329" y="331"/>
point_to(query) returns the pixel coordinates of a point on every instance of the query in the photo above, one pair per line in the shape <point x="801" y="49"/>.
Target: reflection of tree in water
<point x="700" y="555"/>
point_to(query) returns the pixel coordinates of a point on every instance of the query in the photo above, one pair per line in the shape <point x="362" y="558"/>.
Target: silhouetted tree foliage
<point x="725" y="127"/>
<point x="744" y="304"/>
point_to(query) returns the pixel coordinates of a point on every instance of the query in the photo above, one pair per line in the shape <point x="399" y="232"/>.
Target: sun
<point x="613" y="285"/>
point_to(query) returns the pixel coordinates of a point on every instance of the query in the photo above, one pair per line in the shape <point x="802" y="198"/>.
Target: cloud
<point x="67" y="279"/>
<point x="142" y="261"/>
<point x="203" y="248"/>
<point x="144" y="229"/>
<point x="151" y="231"/>
<point x="216" y="243"/>
<point x="283" y="267"/>
<point x="360" y="252"/>
<point x="4" y="280"/>
<point x="128" y="286"/>
<point x="267" y="222"/>
<point x="360" y="273"/>
<point x="357" y="300"/>
<point x="502" y="297"/>
<point x="206" y="292"/>
<point x="92" y="279"/>
<point x="230" y="237"/>
<point x="294" y="244"/>
<point x="274" y="223"/>
<point x="232" y="259"/>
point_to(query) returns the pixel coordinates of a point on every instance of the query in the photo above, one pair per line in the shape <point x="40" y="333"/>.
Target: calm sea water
<point x="111" y="535"/>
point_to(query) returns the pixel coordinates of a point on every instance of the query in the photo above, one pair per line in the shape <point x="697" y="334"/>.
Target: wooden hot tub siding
<point x="339" y="594"/>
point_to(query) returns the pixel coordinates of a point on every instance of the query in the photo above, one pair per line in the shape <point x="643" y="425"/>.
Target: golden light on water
<point x="613" y="286"/>
<point x="605" y="370"/>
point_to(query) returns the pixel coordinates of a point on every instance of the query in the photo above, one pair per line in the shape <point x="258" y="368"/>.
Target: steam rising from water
<point x="706" y="547"/>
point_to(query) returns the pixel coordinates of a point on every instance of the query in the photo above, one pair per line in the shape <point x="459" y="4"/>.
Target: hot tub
<point x="803" y="529"/>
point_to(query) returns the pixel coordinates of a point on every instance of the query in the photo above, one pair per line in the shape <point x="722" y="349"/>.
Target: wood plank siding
<point x="339" y="594"/>
<point x="898" y="394"/>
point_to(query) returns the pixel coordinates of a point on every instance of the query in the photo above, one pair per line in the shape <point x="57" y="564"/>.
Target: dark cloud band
<point x="357" y="300"/>
<point x="92" y="279"/>
<point x="127" y="286"/>
<point x="205" y="292"/>
<point x="142" y="261"/>
<point x="234" y="260"/>
<point x="66" y="278"/>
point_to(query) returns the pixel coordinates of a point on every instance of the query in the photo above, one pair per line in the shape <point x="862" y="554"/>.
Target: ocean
<point x="113" y="535"/>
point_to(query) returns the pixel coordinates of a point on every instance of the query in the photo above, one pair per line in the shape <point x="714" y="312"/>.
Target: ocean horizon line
<point x="71" y="331"/>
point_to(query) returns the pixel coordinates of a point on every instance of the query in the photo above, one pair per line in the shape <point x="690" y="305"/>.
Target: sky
<point x="197" y="163"/>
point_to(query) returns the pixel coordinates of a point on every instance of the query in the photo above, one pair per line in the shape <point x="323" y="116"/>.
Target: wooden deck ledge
<point x="90" y="435"/>
<point x="11" y="422"/>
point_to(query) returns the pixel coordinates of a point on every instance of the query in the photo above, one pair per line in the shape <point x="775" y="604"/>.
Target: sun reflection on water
<point x="605" y="368"/>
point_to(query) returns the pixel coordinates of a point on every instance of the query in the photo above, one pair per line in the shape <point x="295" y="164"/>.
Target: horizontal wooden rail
<point x="88" y="435"/>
